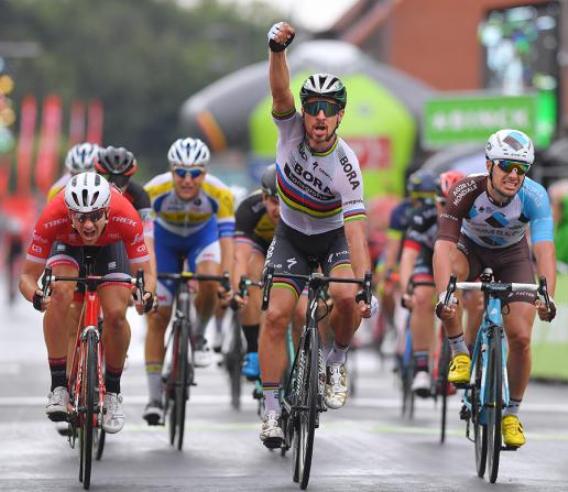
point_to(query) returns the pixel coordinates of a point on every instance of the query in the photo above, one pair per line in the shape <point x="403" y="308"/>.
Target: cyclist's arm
<point x="149" y="242"/>
<point x="243" y="252"/>
<point x="444" y="251"/>
<point x="356" y="234"/>
<point x="31" y="272"/>
<point x="407" y="262"/>
<point x="279" y="77"/>
<point x="545" y="254"/>
<point x="227" y="253"/>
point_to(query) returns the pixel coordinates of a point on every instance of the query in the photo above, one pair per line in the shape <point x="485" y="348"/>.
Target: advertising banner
<point x="28" y="113"/>
<point x="48" y="153"/>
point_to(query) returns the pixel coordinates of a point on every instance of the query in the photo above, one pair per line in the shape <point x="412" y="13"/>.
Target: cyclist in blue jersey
<point x="322" y="217"/>
<point x="194" y="222"/>
<point x="484" y="225"/>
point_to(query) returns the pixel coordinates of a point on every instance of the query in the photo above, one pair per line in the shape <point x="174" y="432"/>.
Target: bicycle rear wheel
<point x="234" y="361"/>
<point x="443" y="369"/>
<point x="479" y="434"/>
<point x="101" y="438"/>
<point x="494" y="404"/>
<point x="306" y="412"/>
<point x="88" y="400"/>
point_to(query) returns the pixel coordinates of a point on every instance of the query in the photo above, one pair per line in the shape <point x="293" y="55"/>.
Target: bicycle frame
<point x="491" y="326"/>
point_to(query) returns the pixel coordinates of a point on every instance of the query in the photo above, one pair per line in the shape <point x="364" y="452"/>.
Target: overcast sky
<point x="315" y="15"/>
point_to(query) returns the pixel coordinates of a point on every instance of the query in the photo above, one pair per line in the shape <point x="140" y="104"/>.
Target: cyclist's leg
<point x="422" y="329"/>
<point x="272" y="343"/>
<point x="205" y="261"/>
<point x="516" y="266"/>
<point x="344" y="319"/>
<point x="112" y="263"/>
<point x="250" y="315"/>
<point x="465" y="264"/>
<point x="167" y="261"/>
<point x="64" y="262"/>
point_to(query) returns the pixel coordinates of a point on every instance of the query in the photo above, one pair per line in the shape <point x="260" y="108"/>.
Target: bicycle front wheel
<point x="494" y="404"/>
<point x="183" y="376"/>
<point x="88" y="399"/>
<point x="443" y="369"/>
<point x="479" y="434"/>
<point x="307" y="407"/>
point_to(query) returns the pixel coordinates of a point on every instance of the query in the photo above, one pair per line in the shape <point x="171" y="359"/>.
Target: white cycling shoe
<point x="113" y="417"/>
<point x="57" y="400"/>
<point x="271" y="433"/>
<point x="336" y="386"/>
<point x="202" y="356"/>
<point x="422" y="384"/>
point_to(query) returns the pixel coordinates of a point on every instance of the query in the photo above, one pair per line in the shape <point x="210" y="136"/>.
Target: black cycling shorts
<point x="294" y="252"/>
<point x="109" y="261"/>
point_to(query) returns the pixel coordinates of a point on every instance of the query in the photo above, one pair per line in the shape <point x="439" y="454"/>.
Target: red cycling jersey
<point x="54" y="224"/>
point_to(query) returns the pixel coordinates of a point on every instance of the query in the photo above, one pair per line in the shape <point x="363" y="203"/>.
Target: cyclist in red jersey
<point x="89" y="214"/>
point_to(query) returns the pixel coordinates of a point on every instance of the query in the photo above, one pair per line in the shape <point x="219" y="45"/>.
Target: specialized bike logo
<point x="291" y="262"/>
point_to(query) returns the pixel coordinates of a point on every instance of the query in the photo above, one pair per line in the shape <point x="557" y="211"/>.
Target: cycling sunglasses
<point x="314" y="107"/>
<point x="93" y="216"/>
<point x="507" y="166"/>
<point x="194" y="172"/>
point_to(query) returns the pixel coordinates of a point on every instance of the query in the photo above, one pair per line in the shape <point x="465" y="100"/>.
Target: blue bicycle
<point x="488" y="390"/>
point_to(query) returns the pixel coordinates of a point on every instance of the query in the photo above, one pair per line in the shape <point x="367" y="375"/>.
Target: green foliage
<point x="142" y="58"/>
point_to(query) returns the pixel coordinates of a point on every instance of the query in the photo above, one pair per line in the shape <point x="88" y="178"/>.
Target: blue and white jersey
<point x="469" y="210"/>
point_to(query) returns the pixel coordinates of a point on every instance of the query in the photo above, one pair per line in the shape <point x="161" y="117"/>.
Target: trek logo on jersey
<point x="349" y="172"/>
<point x="124" y="220"/>
<point x="55" y="223"/>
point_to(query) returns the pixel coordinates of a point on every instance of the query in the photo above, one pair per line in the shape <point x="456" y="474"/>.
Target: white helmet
<point x="87" y="192"/>
<point x="188" y="152"/>
<point x="510" y="144"/>
<point x="81" y="158"/>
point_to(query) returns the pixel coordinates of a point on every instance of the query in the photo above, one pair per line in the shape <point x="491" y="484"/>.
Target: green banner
<point x="550" y="340"/>
<point x="472" y="118"/>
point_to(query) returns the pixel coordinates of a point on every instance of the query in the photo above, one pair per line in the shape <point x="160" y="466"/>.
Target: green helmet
<point x="324" y="85"/>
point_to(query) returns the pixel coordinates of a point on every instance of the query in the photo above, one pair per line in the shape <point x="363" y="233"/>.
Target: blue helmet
<point x="421" y="184"/>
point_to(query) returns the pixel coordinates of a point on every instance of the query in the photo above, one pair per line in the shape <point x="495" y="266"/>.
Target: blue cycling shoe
<point x="251" y="369"/>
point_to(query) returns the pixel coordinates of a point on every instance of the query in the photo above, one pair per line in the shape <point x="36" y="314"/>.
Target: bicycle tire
<point x="89" y="398"/>
<point x="480" y="436"/>
<point x="100" y="444"/>
<point x="307" y="416"/>
<point x="182" y="382"/>
<point x="495" y="405"/>
<point x="234" y="362"/>
<point x="443" y="369"/>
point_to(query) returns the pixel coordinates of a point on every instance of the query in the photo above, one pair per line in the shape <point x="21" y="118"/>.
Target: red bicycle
<point x="86" y="381"/>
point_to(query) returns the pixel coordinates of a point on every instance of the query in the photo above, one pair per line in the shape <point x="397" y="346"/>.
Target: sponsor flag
<point x="28" y="113"/>
<point x="48" y="153"/>
<point x="95" y="124"/>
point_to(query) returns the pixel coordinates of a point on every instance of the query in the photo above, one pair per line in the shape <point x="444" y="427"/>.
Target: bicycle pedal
<point x="465" y="413"/>
<point x="58" y="417"/>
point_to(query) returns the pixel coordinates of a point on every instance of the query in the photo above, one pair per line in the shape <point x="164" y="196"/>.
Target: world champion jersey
<point x="318" y="191"/>
<point x="214" y="201"/>
<point x="470" y="210"/>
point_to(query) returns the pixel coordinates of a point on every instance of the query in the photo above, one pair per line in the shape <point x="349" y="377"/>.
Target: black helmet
<point x="324" y="85"/>
<point x="268" y="180"/>
<point x="116" y="161"/>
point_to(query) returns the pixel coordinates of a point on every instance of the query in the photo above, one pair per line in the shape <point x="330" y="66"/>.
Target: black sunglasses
<point x="93" y="216"/>
<point x="314" y="107"/>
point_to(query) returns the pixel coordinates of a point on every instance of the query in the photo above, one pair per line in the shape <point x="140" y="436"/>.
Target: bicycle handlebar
<point x="493" y="287"/>
<point x="224" y="279"/>
<point x="364" y="295"/>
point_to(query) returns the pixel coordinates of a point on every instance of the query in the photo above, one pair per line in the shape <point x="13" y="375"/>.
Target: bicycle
<point x="303" y="398"/>
<point x="488" y="390"/>
<point x="86" y="380"/>
<point x="179" y="373"/>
